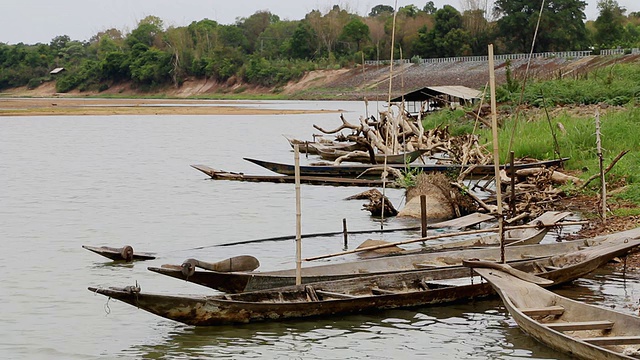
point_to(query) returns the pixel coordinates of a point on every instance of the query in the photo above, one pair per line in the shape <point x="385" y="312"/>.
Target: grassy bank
<point x="567" y="134"/>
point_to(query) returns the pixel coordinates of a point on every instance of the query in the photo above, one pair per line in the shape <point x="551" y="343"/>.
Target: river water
<point x="69" y="181"/>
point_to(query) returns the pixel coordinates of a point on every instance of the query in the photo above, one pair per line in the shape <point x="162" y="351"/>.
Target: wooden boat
<point x="513" y="237"/>
<point x="368" y="170"/>
<point x="364" y="157"/>
<point x="288" y="179"/>
<point x="235" y="282"/>
<point x="367" y="294"/>
<point x="311" y="147"/>
<point x="125" y="253"/>
<point x="578" y="329"/>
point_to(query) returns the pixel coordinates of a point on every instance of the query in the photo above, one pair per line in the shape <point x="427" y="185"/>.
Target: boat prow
<point x="124" y="253"/>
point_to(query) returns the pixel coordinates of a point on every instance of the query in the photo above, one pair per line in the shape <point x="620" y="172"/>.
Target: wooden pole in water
<point x="423" y="214"/>
<point x="296" y="150"/>
<point x="345" y="233"/>
<point x="496" y="151"/>
<point x="600" y="161"/>
<point x="512" y="175"/>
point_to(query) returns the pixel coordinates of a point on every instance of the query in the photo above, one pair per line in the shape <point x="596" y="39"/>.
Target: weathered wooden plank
<point x="581" y="325"/>
<point x="335" y="294"/>
<point x="377" y="291"/>
<point x="544" y="311"/>
<point x="613" y="340"/>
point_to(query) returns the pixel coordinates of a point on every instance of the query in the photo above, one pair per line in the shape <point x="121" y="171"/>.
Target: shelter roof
<point x="424" y="93"/>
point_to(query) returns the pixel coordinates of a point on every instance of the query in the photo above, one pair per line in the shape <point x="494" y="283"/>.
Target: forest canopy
<point x="264" y="50"/>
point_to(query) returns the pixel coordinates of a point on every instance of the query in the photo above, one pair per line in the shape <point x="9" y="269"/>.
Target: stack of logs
<point x="396" y="133"/>
<point x="534" y="190"/>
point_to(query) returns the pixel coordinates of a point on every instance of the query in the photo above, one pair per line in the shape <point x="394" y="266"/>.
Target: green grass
<point x="533" y="137"/>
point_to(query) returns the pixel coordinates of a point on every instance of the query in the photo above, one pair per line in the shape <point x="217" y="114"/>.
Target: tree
<point x="304" y="42"/>
<point x="152" y="67"/>
<point x="329" y="26"/>
<point x="429" y="8"/>
<point x="255" y="25"/>
<point x="446" y="39"/>
<point x="479" y="29"/>
<point x="355" y="31"/>
<point x="562" y="25"/>
<point x="147" y="31"/>
<point x="609" y="24"/>
<point x="409" y="10"/>
<point x="380" y="9"/>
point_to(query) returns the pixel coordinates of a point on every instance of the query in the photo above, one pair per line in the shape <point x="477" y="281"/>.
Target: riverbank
<point x="51" y="106"/>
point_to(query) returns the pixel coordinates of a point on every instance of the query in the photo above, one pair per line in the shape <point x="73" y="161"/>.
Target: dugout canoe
<point x="366" y="294"/>
<point x="572" y="327"/>
<point x="364" y="157"/>
<point x="236" y="282"/>
<point x="368" y="170"/>
<point x="124" y="253"/>
<point x="216" y="174"/>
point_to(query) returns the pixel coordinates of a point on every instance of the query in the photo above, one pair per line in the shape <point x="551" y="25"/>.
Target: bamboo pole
<point x="296" y="150"/>
<point x="601" y="165"/>
<point x="441" y="236"/>
<point x="512" y="198"/>
<point x="496" y="153"/>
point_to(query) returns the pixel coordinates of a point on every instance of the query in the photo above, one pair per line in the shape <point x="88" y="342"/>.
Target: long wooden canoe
<point x="124" y="253"/>
<point x="363" y="156"/>
<point x="367" y="294"/>
<point x="581" y="330"/>
<point x="512" y="237"/>
<point x="235" y="282"/>
<point x="311" y="147"/>
<point x="357" y="170"/>
<point x="289" y="179"/>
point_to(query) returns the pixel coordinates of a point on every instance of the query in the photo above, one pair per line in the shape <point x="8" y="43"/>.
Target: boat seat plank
<point x="613" y="340"/>
<point x="377" y="291"/>
<point x="425" y="266"/>
<point x="543" y="311"/>
<point x="335" y="295"/>
<point x="581" y="325"/>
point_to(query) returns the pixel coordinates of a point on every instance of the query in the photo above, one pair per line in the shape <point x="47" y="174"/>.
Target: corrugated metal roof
<point x="424" y="93"/>
<point x="462" y="92"/>
<point x="56" y="70"/>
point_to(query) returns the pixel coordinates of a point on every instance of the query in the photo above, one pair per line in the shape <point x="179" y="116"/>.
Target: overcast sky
<point x="33" y="21"/>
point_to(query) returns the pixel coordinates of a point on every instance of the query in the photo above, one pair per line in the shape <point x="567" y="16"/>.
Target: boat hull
<point x="234" y="282"/>
<point x="367" y="294"/>
<point x="117" y="254"/>
<point x="574" y="327"/>
<point x="358" y="170"/>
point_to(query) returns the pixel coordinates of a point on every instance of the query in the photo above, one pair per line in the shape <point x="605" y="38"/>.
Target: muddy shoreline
<point x="108" y="106"/>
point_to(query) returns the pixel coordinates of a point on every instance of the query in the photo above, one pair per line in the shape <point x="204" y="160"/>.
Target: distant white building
<point x="57" y="71"/>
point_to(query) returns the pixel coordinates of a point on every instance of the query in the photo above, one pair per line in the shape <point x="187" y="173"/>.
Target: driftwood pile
<point x="534" y="191"/>
<point x="396" y="132"/>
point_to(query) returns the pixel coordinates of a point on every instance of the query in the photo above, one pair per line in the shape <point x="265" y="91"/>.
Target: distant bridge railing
<point x="503" y="57"/>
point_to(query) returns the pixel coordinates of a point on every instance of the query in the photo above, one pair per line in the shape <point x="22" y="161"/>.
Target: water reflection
<point x="462" y="331"/>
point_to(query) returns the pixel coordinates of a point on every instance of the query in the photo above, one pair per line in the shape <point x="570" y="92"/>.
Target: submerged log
<point x="377" y="203"/>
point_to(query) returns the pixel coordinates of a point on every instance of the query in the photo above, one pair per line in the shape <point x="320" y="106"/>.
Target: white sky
<point x="33" y="21"/>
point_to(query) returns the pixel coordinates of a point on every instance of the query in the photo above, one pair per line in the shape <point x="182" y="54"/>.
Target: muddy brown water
<point x="116" y="180"/>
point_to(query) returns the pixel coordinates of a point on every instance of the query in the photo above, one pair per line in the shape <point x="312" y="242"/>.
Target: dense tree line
<point x="264" y="50"/>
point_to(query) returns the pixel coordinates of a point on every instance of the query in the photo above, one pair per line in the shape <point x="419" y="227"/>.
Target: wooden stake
<point x="496" y="153"/>
<point x="600" y="163"/>
<point x="512" y="200"/>
<point x="296" y="150"/>
<point x="423" y="214"/>
<point x="345" y="233"/>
